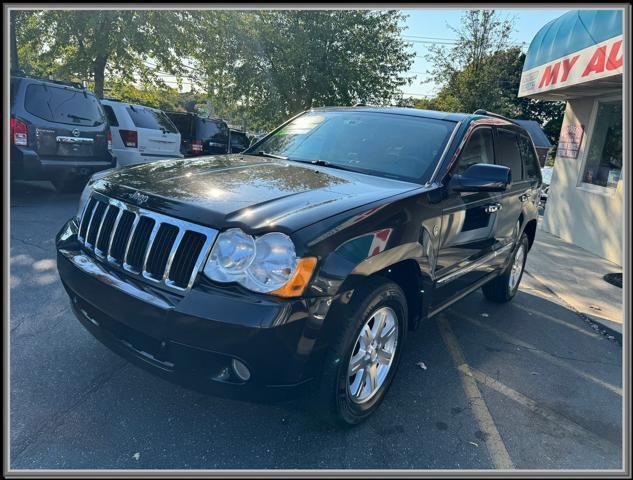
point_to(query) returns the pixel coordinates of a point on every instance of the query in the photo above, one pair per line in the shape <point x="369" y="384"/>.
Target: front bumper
<point x="193" y="339"/>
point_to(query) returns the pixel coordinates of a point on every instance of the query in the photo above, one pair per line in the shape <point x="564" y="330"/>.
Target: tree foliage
<point x="88" y="44"/>
<point x="259" y="66"/>
<point x="274" y="64"/>
<point x="483" y="70"/>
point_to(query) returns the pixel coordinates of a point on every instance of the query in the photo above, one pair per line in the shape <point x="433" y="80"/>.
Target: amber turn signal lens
<point x="297" y="284"/>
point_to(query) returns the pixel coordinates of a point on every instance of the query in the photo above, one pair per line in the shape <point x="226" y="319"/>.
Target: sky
<point x="431" y="25"/>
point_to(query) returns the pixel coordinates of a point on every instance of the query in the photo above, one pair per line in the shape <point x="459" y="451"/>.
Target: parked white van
<point x="140" y="134"/>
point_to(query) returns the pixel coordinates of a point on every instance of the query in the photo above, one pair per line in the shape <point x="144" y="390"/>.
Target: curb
<point x="596" y="325"/>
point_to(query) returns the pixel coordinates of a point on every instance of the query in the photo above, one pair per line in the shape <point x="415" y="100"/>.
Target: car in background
<point x="239" y="141"/>
<point x="199" y="135"/>
<point x="546" y="173"/>
<point x="59" y="132"/>
<point x="140" y="134"/>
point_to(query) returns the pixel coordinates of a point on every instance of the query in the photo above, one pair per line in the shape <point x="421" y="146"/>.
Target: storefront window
<point x="604" y="157"/>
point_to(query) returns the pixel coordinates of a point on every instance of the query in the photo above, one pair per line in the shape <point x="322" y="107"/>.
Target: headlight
<point x="267" y="264"/>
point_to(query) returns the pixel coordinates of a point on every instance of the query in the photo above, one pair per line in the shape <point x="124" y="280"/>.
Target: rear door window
<point x="63" y="105"/>
<point x="144" y="117"/>
<point x="508" y="154"/>
<point x="479" y="149"/>
<point x="112" y="120"/>
<point x="531" y="166"/>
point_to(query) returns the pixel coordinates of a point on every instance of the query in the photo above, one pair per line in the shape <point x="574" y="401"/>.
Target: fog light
<point x="241" y="370"/>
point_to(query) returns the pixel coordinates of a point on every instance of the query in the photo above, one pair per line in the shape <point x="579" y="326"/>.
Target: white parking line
<point x="533" y="349"/>
<point x="497" y="449"/>
<point x="576" y="328"/>
<point x="552" y="417"/>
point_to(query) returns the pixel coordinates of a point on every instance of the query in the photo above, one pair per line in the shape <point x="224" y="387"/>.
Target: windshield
<point x="396" y="146"/>
<point x="145" y="117"/>
<point x="63" y="105"/>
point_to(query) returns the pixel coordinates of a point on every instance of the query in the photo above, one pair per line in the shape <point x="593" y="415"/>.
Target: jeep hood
<point x="248" y="191"/>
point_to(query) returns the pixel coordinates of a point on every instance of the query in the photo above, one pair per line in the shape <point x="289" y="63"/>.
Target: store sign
<point x="598" y="61"/>
<point x="570" y="140"/>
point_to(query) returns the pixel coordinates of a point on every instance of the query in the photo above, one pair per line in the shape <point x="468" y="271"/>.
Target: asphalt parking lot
<point x="526" y="385"/>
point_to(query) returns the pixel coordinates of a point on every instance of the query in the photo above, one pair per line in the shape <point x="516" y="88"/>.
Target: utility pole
<point x="15" y="65"/>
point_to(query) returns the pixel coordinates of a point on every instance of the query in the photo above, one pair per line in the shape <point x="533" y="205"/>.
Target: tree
<point x="482" y="34"/>
<point x="274" y="64"/>
<point x="87" y="44"/>
<point x="483" y="70"/>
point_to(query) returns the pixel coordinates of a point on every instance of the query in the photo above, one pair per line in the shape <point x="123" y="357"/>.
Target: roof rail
<point x="494" y="115"/>
<point x="49" y="80"/>
<point x="360" y="104"/>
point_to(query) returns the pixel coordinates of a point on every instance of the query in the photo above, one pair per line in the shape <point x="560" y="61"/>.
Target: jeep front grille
<point x="161" y="249"/>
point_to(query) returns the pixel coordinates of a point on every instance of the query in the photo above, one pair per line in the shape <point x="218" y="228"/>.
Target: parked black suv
<point x="200" y="136"/>
<point x="303" y="262"/>
<point x="59" y="132"/>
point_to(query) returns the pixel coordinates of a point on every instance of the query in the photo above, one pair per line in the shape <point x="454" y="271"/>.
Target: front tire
<point x="503" y="288"/>
<point x="363" y="361"/>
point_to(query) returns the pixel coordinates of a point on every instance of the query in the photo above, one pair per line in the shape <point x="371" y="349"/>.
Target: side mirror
<point x="482" y="177"/>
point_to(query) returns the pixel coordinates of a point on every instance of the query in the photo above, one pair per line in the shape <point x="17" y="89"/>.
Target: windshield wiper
<point x="325" y="163"/>
<point x="77" y="117"/>
<point x="261" y="153"/>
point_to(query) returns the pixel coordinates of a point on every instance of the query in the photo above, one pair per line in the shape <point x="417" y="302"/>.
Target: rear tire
<point x="69" y="184"/>
<point x="378" y="302"/>
<point x="503" y="288"/>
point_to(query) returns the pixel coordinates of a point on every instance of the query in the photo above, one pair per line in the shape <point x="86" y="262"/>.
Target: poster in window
<point x="570" y="140"/>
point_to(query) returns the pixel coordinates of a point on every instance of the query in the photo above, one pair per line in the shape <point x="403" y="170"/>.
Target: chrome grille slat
<point x="114" y="229"/>
<point x="137" y="218"/>
<point x="89" y="203"/>
<point x="148" y="248"/>
<point x="172" y="252"/>
<point x="92" y="215"/>
<point x="99" y="230"/>
<point x="157" y="259"/>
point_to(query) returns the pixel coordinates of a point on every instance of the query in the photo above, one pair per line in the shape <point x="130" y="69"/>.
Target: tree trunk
<point x="99" y="74"/>
<point x="15" y="64"/>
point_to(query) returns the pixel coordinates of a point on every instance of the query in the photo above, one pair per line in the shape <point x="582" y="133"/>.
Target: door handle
<point x="524" y="197"/>
<point x="495" y="207"/>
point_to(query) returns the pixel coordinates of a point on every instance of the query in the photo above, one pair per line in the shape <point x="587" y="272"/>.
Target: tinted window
<point x="144" y="117"/>
<point x="63" y="105"/>
<point x="112" y="120"/>
<point x="479" y="149"/>
<point x="212" y="130"/>
<point x="239" y="139"/>
<point x="508" y="153"/>
<point x="397" y="146"/>
<point x="531" y="166"/>
<point x="183" y="122"/>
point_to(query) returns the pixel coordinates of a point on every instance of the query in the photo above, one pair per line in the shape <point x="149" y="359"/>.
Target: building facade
<point x="578" y="58"/>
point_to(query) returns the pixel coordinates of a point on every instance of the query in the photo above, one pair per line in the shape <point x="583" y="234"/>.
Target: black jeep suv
<point x="301" y="263"/>
<point x="59" y="132"/>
